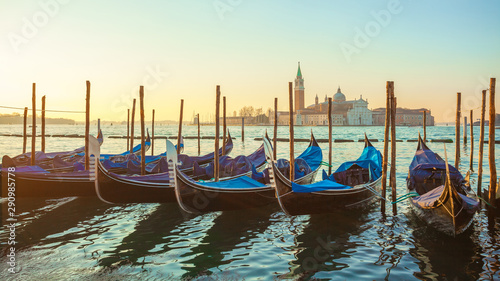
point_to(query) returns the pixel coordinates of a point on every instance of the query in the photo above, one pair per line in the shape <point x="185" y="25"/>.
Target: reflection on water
<point x="82" y="238"/>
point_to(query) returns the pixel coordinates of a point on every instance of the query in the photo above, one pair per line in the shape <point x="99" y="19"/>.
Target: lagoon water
<point x="85" y="239"/>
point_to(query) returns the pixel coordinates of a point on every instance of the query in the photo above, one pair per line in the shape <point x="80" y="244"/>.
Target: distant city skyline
<point x="183" y="49"/>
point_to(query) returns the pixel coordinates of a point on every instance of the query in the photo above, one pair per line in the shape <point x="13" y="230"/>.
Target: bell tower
<point x="299" y="91"/>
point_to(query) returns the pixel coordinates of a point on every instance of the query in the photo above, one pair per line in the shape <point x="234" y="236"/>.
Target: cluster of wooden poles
<point x="390" y="128"/>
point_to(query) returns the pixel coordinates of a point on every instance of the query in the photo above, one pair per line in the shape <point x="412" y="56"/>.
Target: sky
<point x="183" y="49"/>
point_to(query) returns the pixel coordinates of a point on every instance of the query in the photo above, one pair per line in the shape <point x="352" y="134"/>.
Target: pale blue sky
<point x="183" y="49"/>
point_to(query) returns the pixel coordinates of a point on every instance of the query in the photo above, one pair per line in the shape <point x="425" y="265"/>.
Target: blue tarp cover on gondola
<point x="427" y="167"/>
<point x="370" y="159"/>
<point x="312" y="156"/>
<point x="239" y="182"/>
<point x="231" y="167"/>
<point x="318" y="186"/>
<point x="262" y="177"/>
<point x="430" y="199"/>
<point x="188" y="161"/>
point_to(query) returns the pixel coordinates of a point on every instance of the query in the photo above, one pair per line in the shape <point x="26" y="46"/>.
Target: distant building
<point x="404" y="117"/>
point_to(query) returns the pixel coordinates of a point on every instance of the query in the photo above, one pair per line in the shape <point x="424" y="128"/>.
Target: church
<point x="344" y="112"/>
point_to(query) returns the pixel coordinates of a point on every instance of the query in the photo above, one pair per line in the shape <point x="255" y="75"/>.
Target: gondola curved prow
<point x="273" y="171"/>
<point x="95" y="165"/>
<point x="175" y="174"/>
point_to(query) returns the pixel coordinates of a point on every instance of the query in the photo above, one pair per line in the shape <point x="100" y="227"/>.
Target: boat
<point x="444" y="198"/>
<point x="114" y="188"/>
<point x="238" y="192"/>
<point x="354" y="185"/>
<point x="45" y="160"/>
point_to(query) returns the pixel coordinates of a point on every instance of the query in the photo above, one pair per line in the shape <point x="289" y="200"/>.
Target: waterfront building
<point x="404" y="117"/>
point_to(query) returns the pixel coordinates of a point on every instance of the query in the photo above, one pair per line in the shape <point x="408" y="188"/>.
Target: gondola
<point x="445" y="200"/>
<point x="137" y="150"/>
<point x="241" y="192"/>
<point x="34" y="181"/>
<point x="154" y="188"/>
<point x="45" y="160"/>
<point x="354" y="185"/>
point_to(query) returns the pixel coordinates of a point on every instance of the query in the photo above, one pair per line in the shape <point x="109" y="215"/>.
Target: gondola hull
<point x="114" y="189"/>
<point x="440" y="219"/>
<point x="444" y="201"/>
<point x="199" y="198"/>
<point x="328" y="201"/>
<point x="48" y="186"/>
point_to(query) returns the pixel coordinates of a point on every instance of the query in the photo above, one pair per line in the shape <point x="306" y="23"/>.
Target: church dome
<point x="339" y="97"/>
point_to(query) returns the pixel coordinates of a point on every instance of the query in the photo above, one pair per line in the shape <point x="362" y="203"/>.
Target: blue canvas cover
<point x="262" y="177"/>
<point x="302" y="168"/>
<point x="108" y="164"/>
<point x="427" y="168"/>
<point x="370" y="159"/>
<point x="318" y="186"/>
<point x="158" y="167"/>
<point x="231" y="167"/>
<point x="312" y="156"/>
<point x="188" y="161"/>
<point x="430" y="199"/>
<point x="239" y="182"/>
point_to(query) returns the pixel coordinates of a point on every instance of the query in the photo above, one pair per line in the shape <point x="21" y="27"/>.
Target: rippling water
<point x="83" y="238"/>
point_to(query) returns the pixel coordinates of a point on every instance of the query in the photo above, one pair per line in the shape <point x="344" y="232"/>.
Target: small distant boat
<point x="445" y="200"/>
<point x="354" y="185"/>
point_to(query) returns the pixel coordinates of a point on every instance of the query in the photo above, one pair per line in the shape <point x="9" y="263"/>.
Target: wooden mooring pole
<point x="33" y="126"/>
<point x="275" y="133"/>
<point x="128" y="129"/>
<point x="425" y="125"/>
<point x="457" y="132"/>
<point x="87" y="126"/>
<point x="491" y="144"/>
<point x="43" y="124"/>
<point x="132" y="128"/>
<point x="388" y="105"/>
<point x="471" y="141"/>
<point x="224" y="128"/>
<point x="292" y="156"/>
<point x="143" y="130"/>
<point x="25" y="136"/>
<point x="481" y="145"/>
<point x="199" y="144"/>
<point x="243" y="129"/>
<point x="179" y="133"/>
<point x="153" y="133"/>
<point x="465" y="130"/>
<point x="330" y="121"/>
<point x="216" y="159"/>
<point x="393" y="149"/>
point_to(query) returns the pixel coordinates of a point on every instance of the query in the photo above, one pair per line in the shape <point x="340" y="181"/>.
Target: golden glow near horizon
<point x="183" y="49"/>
